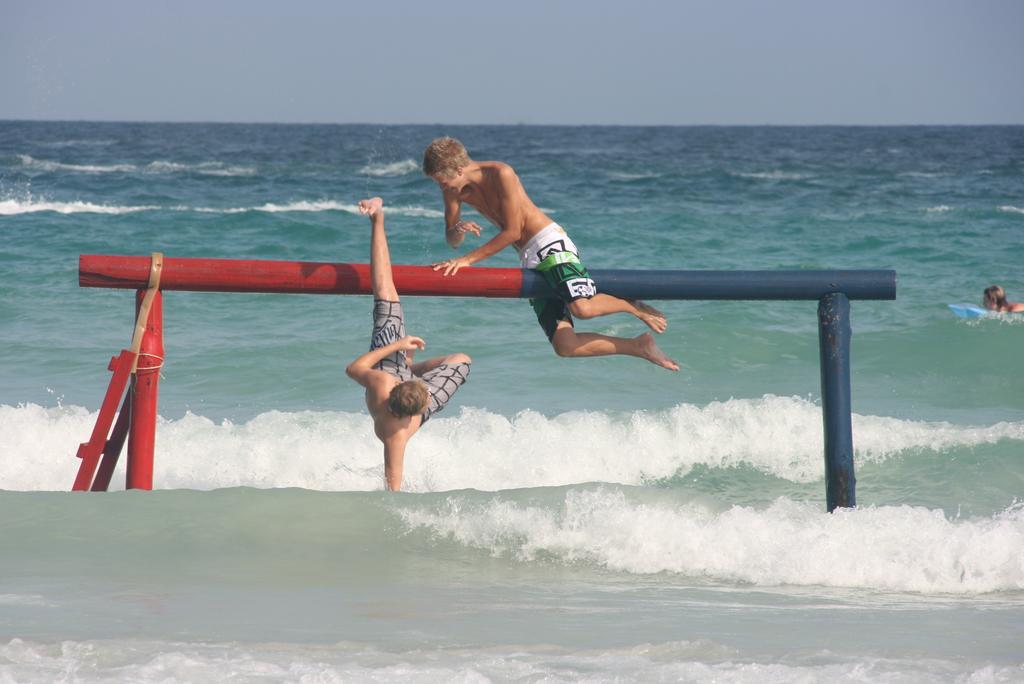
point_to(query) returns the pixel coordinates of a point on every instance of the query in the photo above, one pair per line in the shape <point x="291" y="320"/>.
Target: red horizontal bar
<point x="239" y="275"/>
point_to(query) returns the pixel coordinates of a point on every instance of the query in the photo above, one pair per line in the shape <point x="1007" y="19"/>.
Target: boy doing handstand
<point x="401" y="395"/>
<point x="494" y="190"/>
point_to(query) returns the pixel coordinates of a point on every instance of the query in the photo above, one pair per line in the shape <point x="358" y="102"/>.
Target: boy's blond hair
<point x="445" y="156"/>
<point x="408" y="398"/>
<point x="996" y="296"/>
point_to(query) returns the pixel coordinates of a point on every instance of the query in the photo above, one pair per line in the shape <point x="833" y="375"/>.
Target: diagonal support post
<point x="91" y="451"/>
<point x="112" y="451"/>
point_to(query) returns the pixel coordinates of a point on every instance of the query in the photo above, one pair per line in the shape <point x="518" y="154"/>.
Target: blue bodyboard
<point x="968" y="310"/>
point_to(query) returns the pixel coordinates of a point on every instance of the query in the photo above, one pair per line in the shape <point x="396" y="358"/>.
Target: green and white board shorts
<point x="552" y="254"/>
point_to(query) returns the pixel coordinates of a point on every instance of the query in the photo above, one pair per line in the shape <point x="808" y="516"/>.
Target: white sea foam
<point x="924" y="174"/>
<point x="51" y="166"/>
<point x="940" y="209"/>
<point x="306" y="205"/>
<point x="169" y="662"/>
<point x="228" y="171"/>
<point x="212" y="210"/>
<point x="213" y="168"/>
<point x="25" y="600"/>
<point x="76" y="143"/>
<point x="774" y="175"/>
<point x="627" y="177"/>
<point x="889" y="548"/>
<point x="399" y="168"/>
<point x="314" y="206"/>
<point x="475" y="448"/>
<point x="1011" y="209"/>
<point x="331" y="205"/>
<point x="203" y="168"/>
<point x="15" y="207"/>
<point x="414" y="211"/>
<point x="165" y="167"/>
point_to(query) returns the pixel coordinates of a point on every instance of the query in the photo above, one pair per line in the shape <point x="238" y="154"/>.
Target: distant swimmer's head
<point x="994" y="298"/>
<point x="443" y="160"/>
<point x="408" y="398"/>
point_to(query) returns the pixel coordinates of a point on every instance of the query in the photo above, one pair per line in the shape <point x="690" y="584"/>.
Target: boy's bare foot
<point x="654" y="319"/>
<point x="652" y="352"/>
<point x="370" y="207"/>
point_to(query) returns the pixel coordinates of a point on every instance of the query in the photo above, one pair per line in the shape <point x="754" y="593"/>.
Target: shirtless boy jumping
<point x="494" y="189"/>
<point x="401" y="395"/>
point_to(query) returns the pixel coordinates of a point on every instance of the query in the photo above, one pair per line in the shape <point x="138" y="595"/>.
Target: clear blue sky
<point x="522" y="61"/>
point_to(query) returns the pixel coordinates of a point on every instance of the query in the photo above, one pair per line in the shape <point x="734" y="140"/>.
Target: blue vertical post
<point x="834" y="343"/>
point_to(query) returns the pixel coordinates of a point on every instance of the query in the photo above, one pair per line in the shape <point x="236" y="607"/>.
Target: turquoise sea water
<point x="593" y="519"/>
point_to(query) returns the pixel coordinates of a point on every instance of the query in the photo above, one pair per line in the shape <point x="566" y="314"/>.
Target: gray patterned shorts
<point x="442" y="382"/>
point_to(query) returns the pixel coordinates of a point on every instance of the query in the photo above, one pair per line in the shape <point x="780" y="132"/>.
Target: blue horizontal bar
<point x="751" y="285"/>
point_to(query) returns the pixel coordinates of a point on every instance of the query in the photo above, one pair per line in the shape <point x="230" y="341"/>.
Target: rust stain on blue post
<point x="834" y="342"/>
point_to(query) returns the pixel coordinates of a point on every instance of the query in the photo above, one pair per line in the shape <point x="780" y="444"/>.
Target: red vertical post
<point x="142" y="432"/>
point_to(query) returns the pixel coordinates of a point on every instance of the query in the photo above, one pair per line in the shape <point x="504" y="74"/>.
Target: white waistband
<point x="548" y="233"/>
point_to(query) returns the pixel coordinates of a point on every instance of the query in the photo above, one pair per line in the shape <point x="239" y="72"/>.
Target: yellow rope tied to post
<point x="156" y="266"/>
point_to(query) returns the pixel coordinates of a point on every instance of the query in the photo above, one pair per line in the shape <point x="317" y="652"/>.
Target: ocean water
<point x="563" y="520"/>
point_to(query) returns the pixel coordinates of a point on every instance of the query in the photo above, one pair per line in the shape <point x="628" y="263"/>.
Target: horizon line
<point x="511" y="125"/>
